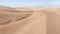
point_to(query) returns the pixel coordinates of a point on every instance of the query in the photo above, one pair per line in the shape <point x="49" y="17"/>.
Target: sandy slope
<point x="13" y="21"/>
<point x="32" y="23"/>
<point x="29" y="20"/>
<point x="53" y="22"/>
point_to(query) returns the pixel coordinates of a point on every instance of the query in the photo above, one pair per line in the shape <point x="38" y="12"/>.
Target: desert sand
<point x="29" y="20"/>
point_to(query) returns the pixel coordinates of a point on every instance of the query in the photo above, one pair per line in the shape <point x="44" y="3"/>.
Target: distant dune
<point x="29" y="20"/>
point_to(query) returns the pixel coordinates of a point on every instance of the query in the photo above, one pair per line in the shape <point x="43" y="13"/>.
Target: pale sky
<point x="29" y="3"/>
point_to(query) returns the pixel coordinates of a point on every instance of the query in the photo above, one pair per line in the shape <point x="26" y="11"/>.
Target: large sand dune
<point x="29" y="20"/>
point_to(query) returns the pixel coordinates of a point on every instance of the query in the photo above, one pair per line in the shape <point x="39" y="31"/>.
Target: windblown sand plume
<point x="29" y="20"/>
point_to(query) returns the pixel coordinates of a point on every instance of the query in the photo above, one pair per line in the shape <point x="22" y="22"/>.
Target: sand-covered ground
<point x="29" y="20"/>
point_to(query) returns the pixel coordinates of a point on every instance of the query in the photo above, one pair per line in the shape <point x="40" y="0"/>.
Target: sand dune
<point x="29" y="20"/>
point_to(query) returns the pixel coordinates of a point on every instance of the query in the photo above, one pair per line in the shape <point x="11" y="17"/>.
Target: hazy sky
<point x="29" y="3"/>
